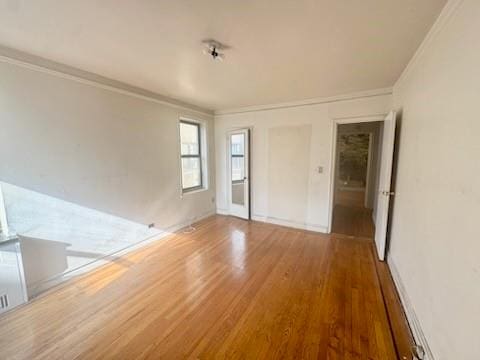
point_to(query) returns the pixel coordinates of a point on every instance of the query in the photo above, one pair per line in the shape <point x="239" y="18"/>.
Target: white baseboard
<point x="412" y="318"/>
<point x="282" y="222"/>
<point x="223" y="211"/>
<point x="56" y="280"/>
<point x="289" y="223"/>
<point x="192" y="220"/>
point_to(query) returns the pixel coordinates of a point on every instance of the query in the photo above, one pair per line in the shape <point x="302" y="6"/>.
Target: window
<point x="238" y="157"/>
<point x="191" y="155"/>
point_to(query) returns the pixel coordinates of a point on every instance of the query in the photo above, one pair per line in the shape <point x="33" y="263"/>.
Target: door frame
<point x="333" y="158"/>
<point x="249" y="168"/>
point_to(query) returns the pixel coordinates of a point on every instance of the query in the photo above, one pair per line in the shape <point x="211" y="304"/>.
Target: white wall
<point x="91" y="166"/>
<point x="435" y="242"/>
<point x="289" y="205"/>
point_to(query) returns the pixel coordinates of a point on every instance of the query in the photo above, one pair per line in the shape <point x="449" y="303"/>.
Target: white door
<point x="238" y="179"/>
<point x="384" y="191"/>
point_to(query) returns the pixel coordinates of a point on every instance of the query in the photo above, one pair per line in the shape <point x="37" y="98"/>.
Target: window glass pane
<point x="191" y="174"/>
<point x="238" y="141"/>
<point x="238" y="193"/>
<point x="189" y="139"/>
<point x="238" y="168"/>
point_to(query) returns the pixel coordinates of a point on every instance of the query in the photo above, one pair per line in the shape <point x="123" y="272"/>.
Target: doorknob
<point x="388" y="193"/>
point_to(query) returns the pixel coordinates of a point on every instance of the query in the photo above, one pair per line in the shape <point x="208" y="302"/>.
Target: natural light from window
<point x="238" y="159"/>
<point x="191" y="155"/>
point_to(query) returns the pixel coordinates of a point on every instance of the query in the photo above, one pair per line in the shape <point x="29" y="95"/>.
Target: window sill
<point x="194" y="191"/>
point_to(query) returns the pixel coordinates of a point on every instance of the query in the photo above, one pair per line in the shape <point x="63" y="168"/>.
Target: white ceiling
<point x="281" y="50"/>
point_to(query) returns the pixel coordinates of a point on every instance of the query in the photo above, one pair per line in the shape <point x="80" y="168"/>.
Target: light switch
<point x="320" y="169"/>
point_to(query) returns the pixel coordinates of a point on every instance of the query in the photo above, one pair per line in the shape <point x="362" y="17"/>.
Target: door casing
<point x="336" y="123"/>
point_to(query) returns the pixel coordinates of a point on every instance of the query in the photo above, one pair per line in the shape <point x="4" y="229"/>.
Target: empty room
<point x="226" y="179"/>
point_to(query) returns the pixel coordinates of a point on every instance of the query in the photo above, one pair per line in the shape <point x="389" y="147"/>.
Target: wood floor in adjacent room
<point x="353" y="221"/>
<point x="232" y="289"/>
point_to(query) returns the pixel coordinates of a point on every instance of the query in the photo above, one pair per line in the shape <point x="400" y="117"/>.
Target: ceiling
<point x="281" y="50"/>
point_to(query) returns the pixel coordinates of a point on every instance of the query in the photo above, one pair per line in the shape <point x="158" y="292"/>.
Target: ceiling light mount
<point x="213" y="48"/>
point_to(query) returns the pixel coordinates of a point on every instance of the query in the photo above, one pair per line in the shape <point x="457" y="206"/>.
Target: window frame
<point x="190" y="156"/>
<point x="232" y="156"/>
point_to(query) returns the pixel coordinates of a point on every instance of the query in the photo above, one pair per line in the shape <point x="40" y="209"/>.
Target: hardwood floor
<point x="350" y="198"/>
<point x="354" y="221"/>
<point x="232" y="289"/>
<point x="402" y="335"/>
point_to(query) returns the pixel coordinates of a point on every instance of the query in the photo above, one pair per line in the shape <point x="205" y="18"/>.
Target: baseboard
<point x="223" y="211"/>
<point x="282" y="222"/>
<point x="289" y="223"/>
<point x="412" y="318"/>
<point x="45" y="285"/>
<point x="190" y="221"/>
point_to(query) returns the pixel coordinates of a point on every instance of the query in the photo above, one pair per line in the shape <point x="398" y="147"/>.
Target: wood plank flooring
<point x="402" y="335"/>
<point x="232" y="289"/>
<point x="350" y="198"/>
<point x="354" y="221"/>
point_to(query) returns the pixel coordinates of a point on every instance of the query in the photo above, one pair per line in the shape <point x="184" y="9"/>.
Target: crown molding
<point x="445" y="15"/>
<point x="36" y="63"/>
<point x="306" y="102"/>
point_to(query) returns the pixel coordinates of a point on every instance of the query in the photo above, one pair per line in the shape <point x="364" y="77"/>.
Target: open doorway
<point x="357" y="164"/>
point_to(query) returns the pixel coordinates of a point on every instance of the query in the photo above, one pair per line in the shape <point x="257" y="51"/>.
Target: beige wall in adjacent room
<point x="374" y="129"/>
